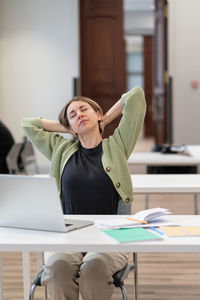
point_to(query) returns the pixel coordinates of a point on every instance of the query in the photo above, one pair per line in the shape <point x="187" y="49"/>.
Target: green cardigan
<point x="116" y="149"/>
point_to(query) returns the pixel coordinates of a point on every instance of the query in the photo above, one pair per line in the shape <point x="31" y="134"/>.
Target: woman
<point x="92" y="175"/>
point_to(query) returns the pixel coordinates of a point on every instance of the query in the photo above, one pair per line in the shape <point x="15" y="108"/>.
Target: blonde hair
<point x="62" y="117"/>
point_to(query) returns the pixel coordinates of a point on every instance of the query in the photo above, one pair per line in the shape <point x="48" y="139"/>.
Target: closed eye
<point x="72" y="116"/>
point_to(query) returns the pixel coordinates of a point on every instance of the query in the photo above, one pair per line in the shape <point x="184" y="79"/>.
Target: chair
<point x="21" y="159"/>
<point x="118" y="277"/>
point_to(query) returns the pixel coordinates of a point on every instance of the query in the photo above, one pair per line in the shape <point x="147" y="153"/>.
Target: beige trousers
<point x="66" y="274"/>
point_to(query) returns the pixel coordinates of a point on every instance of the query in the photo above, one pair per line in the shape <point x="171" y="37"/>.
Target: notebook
<point x="32" y="202"/>
<point x="175" y="231"/>
<point x="124" y="235"/>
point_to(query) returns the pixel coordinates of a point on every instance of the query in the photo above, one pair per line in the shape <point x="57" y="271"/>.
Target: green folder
<point x="138" y="234"/>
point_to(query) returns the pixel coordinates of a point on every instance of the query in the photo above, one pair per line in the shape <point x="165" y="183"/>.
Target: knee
<point x="57" y="271"/>
<point x="93" y="270"/>
<point x="61" y="266"/>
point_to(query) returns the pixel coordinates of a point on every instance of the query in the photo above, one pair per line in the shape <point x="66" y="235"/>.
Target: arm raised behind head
<point x="55" y="126"/>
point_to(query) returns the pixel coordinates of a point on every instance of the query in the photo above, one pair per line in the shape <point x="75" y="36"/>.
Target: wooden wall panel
<point x="102" y="52"/>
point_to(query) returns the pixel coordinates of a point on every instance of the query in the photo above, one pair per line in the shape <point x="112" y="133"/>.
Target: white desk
<point x="160" y="159"/>
<point x="91" y="239"/>
<point x="167" y="184"/>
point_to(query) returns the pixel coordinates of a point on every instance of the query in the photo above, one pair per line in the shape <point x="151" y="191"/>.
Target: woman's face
<point x="82" y="117"/>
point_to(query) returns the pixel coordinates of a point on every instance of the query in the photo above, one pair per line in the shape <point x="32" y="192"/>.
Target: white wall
<point x="39" y="56"/>
<point x="184" y="66"/>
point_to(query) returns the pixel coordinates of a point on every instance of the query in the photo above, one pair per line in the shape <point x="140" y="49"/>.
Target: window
<point x="134" y="70"/>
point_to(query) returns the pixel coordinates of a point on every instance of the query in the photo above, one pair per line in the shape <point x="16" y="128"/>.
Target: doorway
<point x="139" y="36"/>
<point x="145" y="32"/>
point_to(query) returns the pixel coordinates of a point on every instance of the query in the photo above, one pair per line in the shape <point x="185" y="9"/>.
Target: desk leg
<point x="195" y="204"/>
<point x="1" y="279"/>
<point x="39" y="260"/>
<point x="135" y="276"/>
<point x="146" y="201"/>
<point x="26" y="274"/>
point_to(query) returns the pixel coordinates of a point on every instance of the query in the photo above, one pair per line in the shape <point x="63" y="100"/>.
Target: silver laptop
<point x="32" y="202"/>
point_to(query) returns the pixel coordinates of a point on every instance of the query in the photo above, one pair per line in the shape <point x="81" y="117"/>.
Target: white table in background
<point x="160" y="159"/>
<point x="91" y="239"/>
<point x="167" y="184"/>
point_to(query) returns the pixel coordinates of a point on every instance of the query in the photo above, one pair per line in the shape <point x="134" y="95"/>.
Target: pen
<point x="156" y="230"/>
<point x="139" y="221"/>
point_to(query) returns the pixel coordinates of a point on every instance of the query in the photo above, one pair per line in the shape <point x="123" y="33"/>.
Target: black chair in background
<point x="21" y="159"/>
<point x="6" y="142"/>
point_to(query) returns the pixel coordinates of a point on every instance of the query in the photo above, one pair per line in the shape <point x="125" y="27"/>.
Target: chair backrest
<point x="21" y="159"/>
<point x="28" y="160"/>
<point x="12" y="159"/>
<point x="123" y="208"/>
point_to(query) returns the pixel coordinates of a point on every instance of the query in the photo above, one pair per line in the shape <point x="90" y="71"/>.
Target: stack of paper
<point x="139" y="219"/>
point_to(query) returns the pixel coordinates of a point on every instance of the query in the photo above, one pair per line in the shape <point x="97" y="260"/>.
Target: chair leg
<point x="124" y="293"/>
<point x="135" y="276"/>
<point x="32" y="292"/>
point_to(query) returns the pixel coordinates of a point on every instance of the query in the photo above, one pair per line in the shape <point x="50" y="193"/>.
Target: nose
<point x="79" y="114"/>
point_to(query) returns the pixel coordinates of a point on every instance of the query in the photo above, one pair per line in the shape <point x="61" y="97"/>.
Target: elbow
<point x="23" y="123"/>
<point x="140" y="96"/>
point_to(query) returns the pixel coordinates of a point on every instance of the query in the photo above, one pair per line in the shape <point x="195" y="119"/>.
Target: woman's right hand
<point x="56" y="126"/>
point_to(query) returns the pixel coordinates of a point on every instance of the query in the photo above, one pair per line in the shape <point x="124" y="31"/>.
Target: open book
<point x="141" y="218"/>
